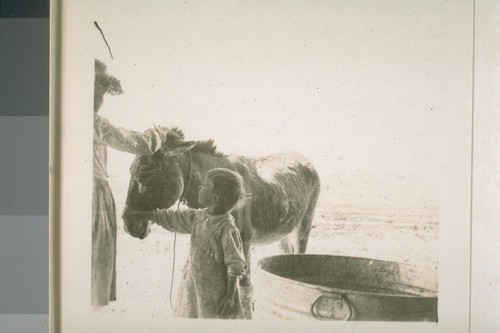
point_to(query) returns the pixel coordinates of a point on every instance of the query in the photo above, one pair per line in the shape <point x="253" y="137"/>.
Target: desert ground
<point x="383" y="218"/>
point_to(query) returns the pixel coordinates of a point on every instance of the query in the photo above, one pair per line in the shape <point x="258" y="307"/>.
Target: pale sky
<point x="356" y="87"/>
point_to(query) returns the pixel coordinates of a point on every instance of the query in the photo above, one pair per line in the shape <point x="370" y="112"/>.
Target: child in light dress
<point x="209" y="288"/>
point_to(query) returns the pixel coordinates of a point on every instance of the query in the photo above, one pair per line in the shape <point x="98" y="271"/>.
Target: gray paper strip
<point x="24" y="158"/>
<point x="24" y="8"/>
<point x="24" y="265"/>
<point x="24" y="323"/>
<point x="24" y="67"/>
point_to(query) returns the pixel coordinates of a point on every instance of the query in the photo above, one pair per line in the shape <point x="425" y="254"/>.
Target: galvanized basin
<point x="304" y="286"/>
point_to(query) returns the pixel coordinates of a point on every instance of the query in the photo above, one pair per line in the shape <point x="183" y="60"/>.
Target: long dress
<point x="215" y="252"/>
<point x="103" y="282"/>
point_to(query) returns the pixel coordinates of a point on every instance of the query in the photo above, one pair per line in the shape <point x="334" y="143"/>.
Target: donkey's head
<point x="157" y="181"/>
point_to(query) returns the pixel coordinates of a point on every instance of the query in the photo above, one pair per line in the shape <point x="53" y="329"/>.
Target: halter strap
<point x="184" y="191"/>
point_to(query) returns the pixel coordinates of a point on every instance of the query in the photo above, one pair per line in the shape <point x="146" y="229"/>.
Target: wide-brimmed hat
<point x="105" y="83"/>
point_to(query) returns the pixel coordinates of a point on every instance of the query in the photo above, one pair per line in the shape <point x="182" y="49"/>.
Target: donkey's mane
<point x="177" y="131"/>
<point x="207" y="146"/>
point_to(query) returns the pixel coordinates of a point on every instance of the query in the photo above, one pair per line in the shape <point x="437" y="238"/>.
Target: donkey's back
<point x="284" y="189"/>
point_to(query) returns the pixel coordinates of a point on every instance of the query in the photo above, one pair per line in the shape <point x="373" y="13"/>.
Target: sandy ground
<point x="404" y="233"/>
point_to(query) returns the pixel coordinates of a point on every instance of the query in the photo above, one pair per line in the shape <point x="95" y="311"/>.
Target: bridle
<point x="184" y="191"/>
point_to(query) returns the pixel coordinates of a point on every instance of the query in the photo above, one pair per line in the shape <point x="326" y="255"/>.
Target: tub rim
<point x="342" y="291"/>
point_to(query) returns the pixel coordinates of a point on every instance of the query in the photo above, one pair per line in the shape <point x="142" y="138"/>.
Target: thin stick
<point x="105" y="41"/>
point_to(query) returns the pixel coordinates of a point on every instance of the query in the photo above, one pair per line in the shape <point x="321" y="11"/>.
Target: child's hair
<point x="229" y="187"/>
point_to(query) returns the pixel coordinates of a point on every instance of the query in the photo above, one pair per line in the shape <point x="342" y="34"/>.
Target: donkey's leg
<point x="246" y="289"/>
<point x="301" y="234"/>
<point x="286" y="245"/>
<point x="246" y="280"/>
<point x="246" y="292"/>
<point x="243" y="222"/>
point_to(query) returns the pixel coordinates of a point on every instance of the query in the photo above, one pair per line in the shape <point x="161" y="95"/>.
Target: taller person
<point x="103" y="283"/>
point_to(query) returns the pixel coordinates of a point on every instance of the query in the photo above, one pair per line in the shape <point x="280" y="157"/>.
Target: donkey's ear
<point x="185" y="147"/>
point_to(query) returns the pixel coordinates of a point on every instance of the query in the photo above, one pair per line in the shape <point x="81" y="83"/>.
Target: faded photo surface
<point x="339" y="133"/>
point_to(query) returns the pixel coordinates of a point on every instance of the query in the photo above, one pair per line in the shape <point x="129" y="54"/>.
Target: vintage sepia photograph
<point x="267" y="161"/>
<point x="234" y="204"/>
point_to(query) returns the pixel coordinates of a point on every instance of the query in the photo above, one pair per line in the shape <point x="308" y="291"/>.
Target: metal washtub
<point x="325" y="287"/>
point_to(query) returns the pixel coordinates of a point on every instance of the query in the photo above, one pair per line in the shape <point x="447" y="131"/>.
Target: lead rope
<point x="175" y="233"/>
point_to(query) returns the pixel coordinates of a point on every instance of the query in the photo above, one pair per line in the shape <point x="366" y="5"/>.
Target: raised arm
<point x="137" y="143"/>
